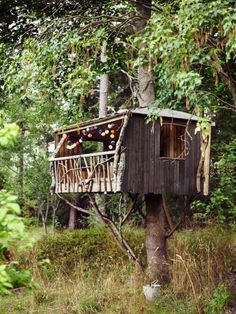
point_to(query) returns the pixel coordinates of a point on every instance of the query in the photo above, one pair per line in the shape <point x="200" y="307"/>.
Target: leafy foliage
<point x="192" y="46"/>
<point x="221" y="203"/>
<point x="12" y="228"/>
<point x="8" y="134"/>
<point x="220" y="298"/>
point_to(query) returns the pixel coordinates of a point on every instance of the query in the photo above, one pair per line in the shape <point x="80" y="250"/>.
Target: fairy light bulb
<point x="110" y="125"/>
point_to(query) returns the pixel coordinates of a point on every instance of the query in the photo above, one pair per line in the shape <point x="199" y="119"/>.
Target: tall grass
<point x="116" y="291"/>
<point x="83" y="272"/>
<point x="202" y="261"/>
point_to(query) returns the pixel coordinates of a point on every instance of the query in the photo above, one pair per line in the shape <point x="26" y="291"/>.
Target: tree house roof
<point x="166" y="113"/>
<point x="97" y="121"/>
<point x="169" y="113"/>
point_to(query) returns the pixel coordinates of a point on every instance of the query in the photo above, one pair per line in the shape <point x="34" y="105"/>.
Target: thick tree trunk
<point x="146" y="93"/>
<point x="146" y="89"/>
<point x="156" y="244"/>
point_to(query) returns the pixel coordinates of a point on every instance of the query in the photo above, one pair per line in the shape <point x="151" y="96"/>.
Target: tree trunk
<point x="146" y="88"/>
<point x="103" y="103"/>
<point x="103" y="99"/>
<point x="21" y="169"/>
<point x="156" y="244"/>
<point x="72" y="218"/>
<point x="146" y="93"/>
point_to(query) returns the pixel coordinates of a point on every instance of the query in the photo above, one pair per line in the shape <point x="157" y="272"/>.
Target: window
<point x="172" y="141"/>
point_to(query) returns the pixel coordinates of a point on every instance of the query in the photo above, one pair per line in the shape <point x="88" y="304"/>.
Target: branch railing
<point x="84" y="173"/>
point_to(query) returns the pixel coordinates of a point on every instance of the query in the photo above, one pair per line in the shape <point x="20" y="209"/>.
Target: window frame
<point x="174" y="124"/>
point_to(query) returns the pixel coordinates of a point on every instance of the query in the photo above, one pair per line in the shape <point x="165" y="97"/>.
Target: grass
<point x="117" y="291"/>
<point x="83" y="272"/>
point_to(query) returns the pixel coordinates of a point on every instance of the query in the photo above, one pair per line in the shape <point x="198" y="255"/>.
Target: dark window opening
<point x="172" y="141"/>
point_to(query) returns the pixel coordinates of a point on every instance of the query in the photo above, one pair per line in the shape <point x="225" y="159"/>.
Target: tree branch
<point x="152" y="7"/>
<point x="122" y="243"/>
<point x="82" y="210"/>
<point x="230" y="106"/>
<point x="130" y="211"/>
<point x="178" y="224"/>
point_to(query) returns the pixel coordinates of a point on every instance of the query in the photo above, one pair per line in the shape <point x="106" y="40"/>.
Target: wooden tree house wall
<point x="161" y="157"/>
<point x="166" y="157"/>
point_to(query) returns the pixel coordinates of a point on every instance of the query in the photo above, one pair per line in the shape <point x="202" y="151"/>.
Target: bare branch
<point x="168" y="217"/>
<point x="122" y="243"/>
<point x="229" y="106"/>
<point x="151" y="7"/>
<point x="180" y="221"/>
<point x="134" y="207"/>
<point x="82" y="210"/>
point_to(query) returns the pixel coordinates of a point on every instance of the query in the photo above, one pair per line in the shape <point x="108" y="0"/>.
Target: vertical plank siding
<point x="146" y="172"/>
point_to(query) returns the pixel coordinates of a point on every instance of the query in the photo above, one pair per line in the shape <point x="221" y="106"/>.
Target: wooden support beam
<point x="110" y="152"/>
<point x="206" y="165"/>
<point x="119" y="142"/>
<point x="64" y="136"/>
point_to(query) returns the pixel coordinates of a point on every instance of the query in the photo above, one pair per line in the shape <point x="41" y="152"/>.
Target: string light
<point x="87" y="133"/>
<point x="110" y="125"/>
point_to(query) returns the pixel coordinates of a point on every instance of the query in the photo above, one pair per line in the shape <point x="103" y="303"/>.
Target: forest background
<point x="50" y="73"/>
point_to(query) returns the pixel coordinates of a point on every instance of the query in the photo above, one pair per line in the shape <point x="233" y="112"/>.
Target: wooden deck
<point x="85" y="173"/>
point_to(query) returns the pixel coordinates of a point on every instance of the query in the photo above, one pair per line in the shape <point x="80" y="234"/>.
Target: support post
<point x="156" y="243"/>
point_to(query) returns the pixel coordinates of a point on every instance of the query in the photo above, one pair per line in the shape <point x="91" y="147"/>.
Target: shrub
<point x="11" y="232"/>
<point x="95" y="247"/>
<point x="219" y="300"/>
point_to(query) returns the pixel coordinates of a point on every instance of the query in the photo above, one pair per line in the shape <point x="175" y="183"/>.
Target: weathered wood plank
<point x="156" y="173"/>
<point x="110" y="152"/>
<point x="146" y="158"/>
<point x="152" y="157"/>
<point x="141" y="155"/>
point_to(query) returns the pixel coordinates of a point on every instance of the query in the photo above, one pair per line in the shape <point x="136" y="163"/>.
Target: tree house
<point x="125" y="153"/>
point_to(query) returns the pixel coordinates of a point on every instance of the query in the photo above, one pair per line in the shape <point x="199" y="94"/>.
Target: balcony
<point x="85" y="173"/>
